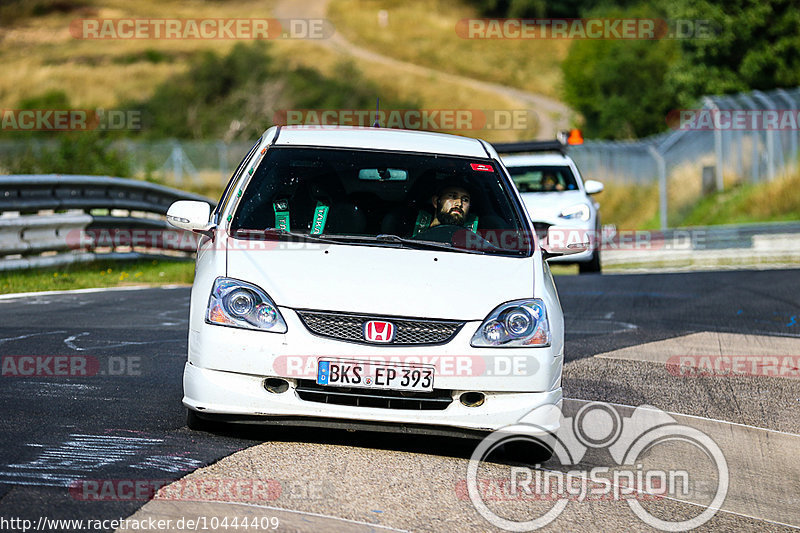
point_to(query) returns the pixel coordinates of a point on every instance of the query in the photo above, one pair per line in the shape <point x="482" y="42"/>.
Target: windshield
<point x="543" y="178"/>
<point x="397" y="199"/>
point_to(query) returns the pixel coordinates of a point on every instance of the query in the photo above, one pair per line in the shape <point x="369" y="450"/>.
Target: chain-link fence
<point x="175" y="162"/>
<point x="749" y="137"/>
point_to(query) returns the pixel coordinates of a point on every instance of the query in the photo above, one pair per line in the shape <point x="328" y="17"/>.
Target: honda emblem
<point x="378" y="331"/>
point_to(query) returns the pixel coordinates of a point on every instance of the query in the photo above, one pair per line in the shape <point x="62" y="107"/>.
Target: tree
<point x="619" y="85"/>
<point x="752" y="45"/>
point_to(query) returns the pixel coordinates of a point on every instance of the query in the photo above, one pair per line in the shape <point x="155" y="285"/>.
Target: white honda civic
<point x="371" y="278"/>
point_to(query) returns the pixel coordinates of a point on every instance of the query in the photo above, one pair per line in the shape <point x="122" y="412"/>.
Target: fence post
<point x="222" y="150"/>
<point x="717" y="142"/>
<point x="792" y="134"/>
<point x="756" y="158"/>
<point x="770" y="135"/>
<point x="662" y="186"/>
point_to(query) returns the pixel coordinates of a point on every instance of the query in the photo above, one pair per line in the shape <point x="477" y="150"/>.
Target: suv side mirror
<point x="565" y="241"/>
<point x="592" y="186"/>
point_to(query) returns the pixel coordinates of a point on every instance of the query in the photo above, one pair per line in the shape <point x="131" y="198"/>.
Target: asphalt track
<point x="125" y="422"/>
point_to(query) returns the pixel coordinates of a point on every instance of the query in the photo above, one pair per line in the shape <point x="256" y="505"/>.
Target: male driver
<point x="451" y="206"/>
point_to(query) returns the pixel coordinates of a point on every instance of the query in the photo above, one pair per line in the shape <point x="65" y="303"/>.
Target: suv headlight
<point x="243" y="305"/>
<point x="580" y="212"/>
<point x="517" y="323"/>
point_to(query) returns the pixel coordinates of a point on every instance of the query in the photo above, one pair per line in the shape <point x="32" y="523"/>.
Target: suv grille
<point x="350" y="328"/>
<point x="438" y="400"/>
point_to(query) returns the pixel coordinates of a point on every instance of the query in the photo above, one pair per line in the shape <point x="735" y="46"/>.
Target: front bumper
<point x="243" y="398"/>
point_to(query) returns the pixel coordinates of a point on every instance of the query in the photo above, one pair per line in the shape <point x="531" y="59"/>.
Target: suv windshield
<point x="540" y="178"/>
<point x="397" y="199"/>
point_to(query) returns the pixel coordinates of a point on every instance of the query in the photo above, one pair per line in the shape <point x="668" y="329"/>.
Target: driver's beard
<point x="455" y="219"/>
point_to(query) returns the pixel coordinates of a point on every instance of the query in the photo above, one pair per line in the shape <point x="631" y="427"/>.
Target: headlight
<point x="517" y="323"/>
<point x="243" y="305"/>
<point x="580" y="212"/>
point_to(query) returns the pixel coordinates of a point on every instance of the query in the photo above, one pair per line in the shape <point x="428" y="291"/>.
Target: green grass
<point x="636" y="207"/>
<point x="98" y="274"/>
<point x="777" y="201"/>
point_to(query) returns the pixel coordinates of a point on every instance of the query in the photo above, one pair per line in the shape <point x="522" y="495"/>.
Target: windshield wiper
<point x="388" y="238"/>
<point x="414" y="243"/>
<point x="275" y="232"/>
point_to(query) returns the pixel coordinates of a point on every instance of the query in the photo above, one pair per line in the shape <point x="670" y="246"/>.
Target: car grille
<point x="437" y="400"/>
<point x="347" y="327"/>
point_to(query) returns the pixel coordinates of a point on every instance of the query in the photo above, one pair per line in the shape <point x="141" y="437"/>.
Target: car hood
<point x="383" y="281"/>
<point x="548" y="205"/>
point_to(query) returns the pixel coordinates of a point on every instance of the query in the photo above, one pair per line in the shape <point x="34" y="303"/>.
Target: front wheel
<point x="592" y="266"/>
<point x="194" y="422"/>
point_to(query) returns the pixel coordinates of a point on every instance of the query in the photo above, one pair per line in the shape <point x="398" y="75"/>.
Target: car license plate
<point x="369" y="375"/>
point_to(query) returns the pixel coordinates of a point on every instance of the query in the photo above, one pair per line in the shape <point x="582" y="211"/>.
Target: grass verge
<point x="636" y="206"/>
<point x="98" y="274"/>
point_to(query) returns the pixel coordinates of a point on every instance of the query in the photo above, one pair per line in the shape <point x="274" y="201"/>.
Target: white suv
<point x="555" y="194"/>
<point x="325" y="295"/>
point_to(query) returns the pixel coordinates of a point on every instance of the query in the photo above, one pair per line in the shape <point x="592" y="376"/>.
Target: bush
<point x="237" y="96"/>
<point x="76" y="153"/>
<point x="620" y="86"/>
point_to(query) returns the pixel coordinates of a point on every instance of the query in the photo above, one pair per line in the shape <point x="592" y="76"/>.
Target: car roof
<point x="380" y="139"/>
<point x="535" y="159"/>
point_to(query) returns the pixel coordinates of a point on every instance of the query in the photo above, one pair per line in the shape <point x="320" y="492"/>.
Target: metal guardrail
<point x="50" y="220"/>
<point x="745" y="244"/>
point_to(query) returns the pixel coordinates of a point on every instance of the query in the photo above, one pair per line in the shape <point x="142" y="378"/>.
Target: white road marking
<point x="17" y="295"/>
<point x="6" y="339"/>
<point x="70" y="460"/>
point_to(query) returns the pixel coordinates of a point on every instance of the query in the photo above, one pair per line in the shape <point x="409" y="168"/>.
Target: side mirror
<point x="592" y="186"/>
<point x="190" y="215"/>
<point x="565" y="241"/>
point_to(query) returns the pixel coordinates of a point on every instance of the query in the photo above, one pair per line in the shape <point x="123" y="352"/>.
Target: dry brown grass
<point x="424" y="32"/>
<point x="629" y="206"/>
<point x="40" y="54"/>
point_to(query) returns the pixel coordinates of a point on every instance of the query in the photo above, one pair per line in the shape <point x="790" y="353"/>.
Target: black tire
<point x="527" y="452"/>
<point x="592" y="266"/>
<point x="194" y="422"/>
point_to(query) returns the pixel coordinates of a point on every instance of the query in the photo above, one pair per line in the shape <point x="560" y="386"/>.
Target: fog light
<point x="276" y="385"/>
<point x="472" y="399"/>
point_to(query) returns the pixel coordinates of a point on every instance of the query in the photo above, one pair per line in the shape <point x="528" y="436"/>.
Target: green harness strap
<point x="320" y="217"/>
<point x="424" y="219"/>
<point x="281" y="208"/>
<point x="423" y="222"/>
<point x="472" y="223"/>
